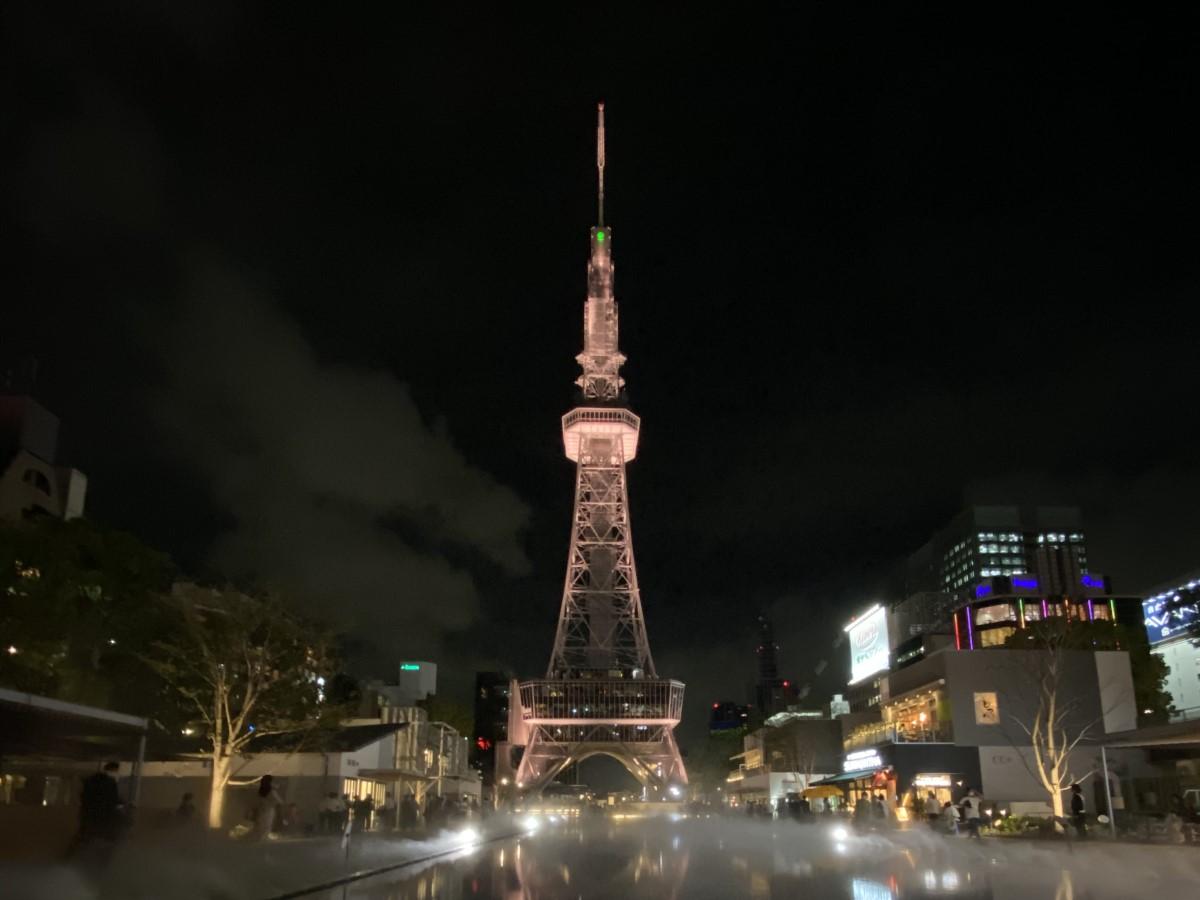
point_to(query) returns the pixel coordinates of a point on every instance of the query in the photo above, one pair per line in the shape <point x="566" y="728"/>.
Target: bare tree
<point x="1058" y="725"/>
<point x="248" y="668"/>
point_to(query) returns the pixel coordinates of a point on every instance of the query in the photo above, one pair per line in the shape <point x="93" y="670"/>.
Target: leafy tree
<point x="711" y="762"/>
<point x="443" y="709"/>
<point x="79" y="606"/>
<point x="247" y="668"/>
<point x="1148" y="669"/>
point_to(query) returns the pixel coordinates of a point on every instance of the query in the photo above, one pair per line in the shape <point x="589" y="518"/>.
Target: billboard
<point x="1171" y="614"/>
<point x="868" y="644"/>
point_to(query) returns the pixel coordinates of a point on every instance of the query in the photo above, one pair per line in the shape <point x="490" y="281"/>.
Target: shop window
<point x="1033" y="612"/>
<point x="994" y="637"/>
<point x="997" y="612"/>
<point x="1101" y="611"/>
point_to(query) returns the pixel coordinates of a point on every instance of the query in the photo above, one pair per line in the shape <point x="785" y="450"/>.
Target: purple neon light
<point x="970" y="629"/>
<point x="1091" y="611"/>
<point x="1045" y="611"/>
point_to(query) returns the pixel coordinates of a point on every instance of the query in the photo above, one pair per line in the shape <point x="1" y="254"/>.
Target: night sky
<point x="306" y="288"/>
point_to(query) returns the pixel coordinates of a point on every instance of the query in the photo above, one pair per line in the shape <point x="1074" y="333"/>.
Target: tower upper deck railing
<point x="648" y="701"/>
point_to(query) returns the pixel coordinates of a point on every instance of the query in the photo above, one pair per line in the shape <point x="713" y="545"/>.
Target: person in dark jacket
<point x="100" y="805"/>
<point x="1078" y="814"/>
<point x="100" y="817"/>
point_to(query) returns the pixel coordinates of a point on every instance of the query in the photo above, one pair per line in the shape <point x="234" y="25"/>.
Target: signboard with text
<point x="1171" y="615"/>
<point x="868" y="645"/>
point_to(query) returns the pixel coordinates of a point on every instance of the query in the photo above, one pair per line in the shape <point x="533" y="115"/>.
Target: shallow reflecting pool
<point x="715" y="858"/>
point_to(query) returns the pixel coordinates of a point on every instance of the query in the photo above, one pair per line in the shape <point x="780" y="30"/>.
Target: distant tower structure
<point x="601" y="694"/>
<point x="772" y="694"/>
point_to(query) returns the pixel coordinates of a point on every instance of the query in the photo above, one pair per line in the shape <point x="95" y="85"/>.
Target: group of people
<point x="871" y="813"/>
<point x="947" y="817"/>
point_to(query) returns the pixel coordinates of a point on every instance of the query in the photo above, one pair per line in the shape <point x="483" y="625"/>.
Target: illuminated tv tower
<point x="601" y="694"/>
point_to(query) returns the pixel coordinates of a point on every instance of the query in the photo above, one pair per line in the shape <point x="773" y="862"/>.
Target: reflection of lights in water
<point x="675" y="842"/>
<point x="840" y="848"/>
<point x="469" y="835"/>
<point x="931" y="880"/>
<point x="865" y="889"/>
<point x="840" y="834"/>
<point x="950" y="881"/>
<point x="530" y="823"/>
<point x="502" y="857"/>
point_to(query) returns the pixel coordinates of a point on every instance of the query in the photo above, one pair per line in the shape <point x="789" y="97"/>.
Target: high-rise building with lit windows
<point x="985" y="542"/>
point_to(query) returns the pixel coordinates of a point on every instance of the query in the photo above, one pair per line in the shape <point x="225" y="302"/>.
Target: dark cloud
<point x="339" y="489"/>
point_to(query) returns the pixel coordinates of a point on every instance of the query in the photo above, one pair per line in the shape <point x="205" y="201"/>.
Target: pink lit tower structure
<point x="601" y="694"/>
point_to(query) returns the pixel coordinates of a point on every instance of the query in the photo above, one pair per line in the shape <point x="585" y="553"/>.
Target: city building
<point x="1003" y="605"/>
<point x="785" y="759"/>
<point x="988" y="541"/>
<point x="1172" y="617"/>
<point x="727" y="715"/>
<point x="957" y="720"/>
<point x="31" y="482"/>
<point x="418" y="681"/>
<point x="772" y="693"/>
<point x="492" y="693"/>
<point x="950" y="714"/>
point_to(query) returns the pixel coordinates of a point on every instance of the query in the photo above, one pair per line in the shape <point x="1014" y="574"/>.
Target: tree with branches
<point x="246" y="667"/>
<point x="1060" y="722"/>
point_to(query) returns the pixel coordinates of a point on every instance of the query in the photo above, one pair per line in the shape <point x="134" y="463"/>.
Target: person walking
<point x="1078" y="815"/>
<point x="266" y="808"/>
<point x="187" y="809"/>
<point x="933" y="809"/>
<point x="971" y="816"/>
<point x="408" y="812"/>
<point x="948" y="819"/>
<point x="329" y="815"/>
<point x="100" y="818"/>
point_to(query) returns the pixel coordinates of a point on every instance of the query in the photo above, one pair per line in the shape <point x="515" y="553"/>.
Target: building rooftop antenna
<point x="600" y="158"/>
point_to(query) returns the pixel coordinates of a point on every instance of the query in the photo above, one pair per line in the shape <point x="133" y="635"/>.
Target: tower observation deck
<point x="601" y="693"/>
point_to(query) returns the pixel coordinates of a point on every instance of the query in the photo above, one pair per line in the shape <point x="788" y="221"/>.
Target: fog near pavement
<point x="718" y="857"/>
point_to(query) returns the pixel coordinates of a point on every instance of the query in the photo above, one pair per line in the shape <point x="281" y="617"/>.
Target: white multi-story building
<point x="1172" y="614"/>
<point x="31" y="484"/>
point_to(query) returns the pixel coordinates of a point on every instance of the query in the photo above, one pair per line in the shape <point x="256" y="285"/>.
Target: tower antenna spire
<point x="600" y="158"/>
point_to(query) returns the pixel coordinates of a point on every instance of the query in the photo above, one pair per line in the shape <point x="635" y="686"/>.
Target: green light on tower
<point x="600" y="236"/>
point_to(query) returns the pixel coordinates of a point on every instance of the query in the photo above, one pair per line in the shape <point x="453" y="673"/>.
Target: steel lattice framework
<point x="601" y="694"/>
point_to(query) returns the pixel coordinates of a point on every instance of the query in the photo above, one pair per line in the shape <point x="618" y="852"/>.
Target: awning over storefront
<point x="846" y="776"/>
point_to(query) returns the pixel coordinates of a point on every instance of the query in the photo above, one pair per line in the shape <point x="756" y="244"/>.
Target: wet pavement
<point x="731" y="858"/>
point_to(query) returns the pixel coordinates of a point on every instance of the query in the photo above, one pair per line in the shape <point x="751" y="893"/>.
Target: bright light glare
<point x="840" y="848"/>
<point x="674" y="791"/>
<point x="469" y="835"/>
<point x="840" y="834"/>
<point x="530" y="823"/>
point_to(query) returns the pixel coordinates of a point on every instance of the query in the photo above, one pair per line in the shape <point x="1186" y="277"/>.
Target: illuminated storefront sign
<point x="868" y="644"/>
<point x="927" y="780"/>
<point x="862" y="759"/>
<point x="1171" y="614"/>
